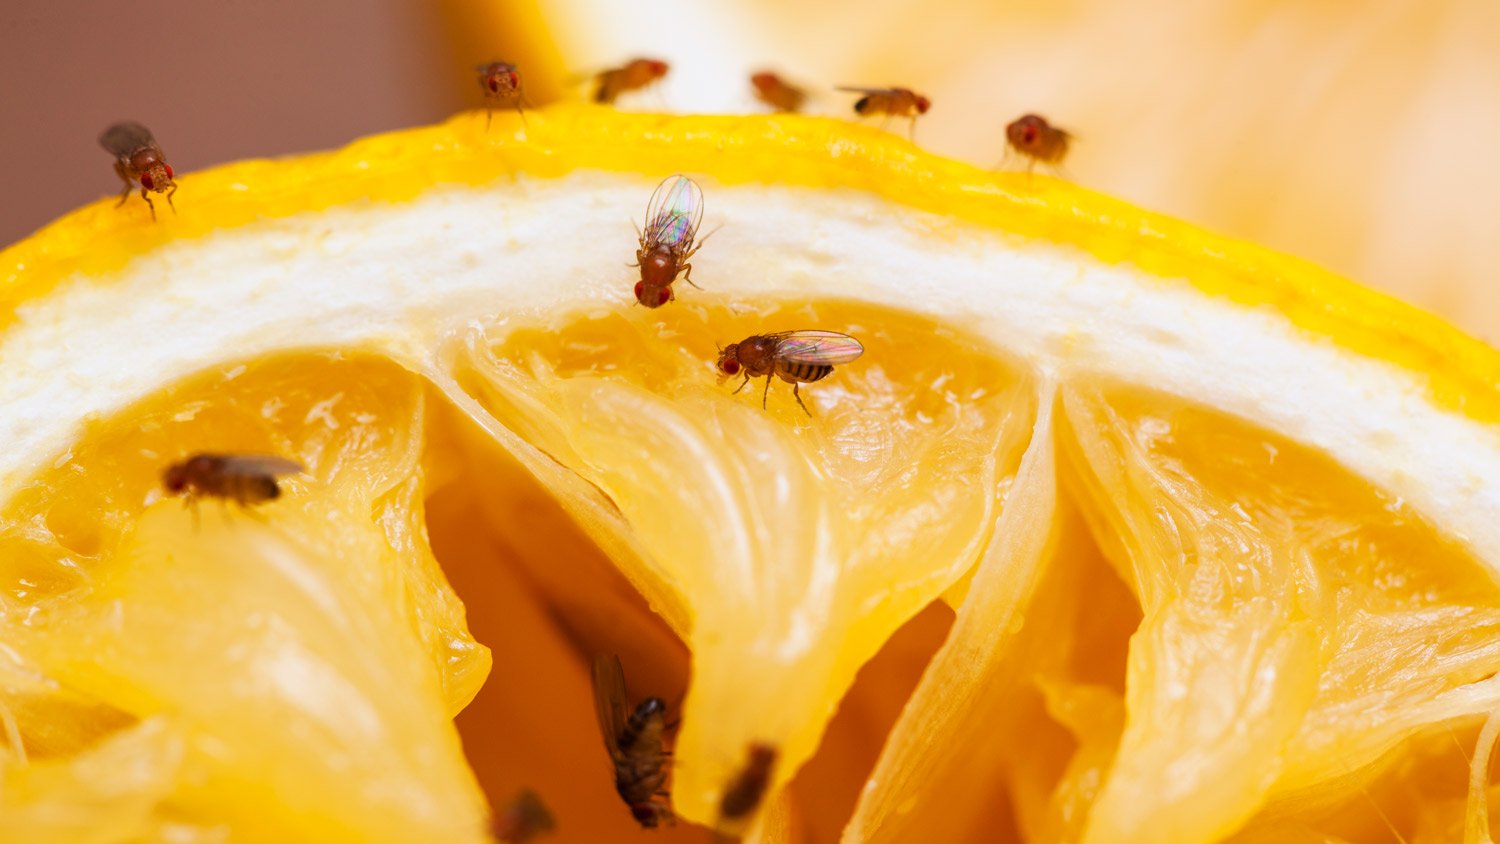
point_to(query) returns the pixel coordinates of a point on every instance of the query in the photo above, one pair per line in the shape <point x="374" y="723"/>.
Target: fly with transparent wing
<point x="245" y="479"/>
<point x="139" y="160"/>
<point x="891" y="102"/>
<point x="636" y="742"/>
<point x="667" y="242"/>
<point x="797" y="357"/>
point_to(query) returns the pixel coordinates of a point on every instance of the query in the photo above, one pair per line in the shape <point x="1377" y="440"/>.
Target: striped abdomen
<point x="645" y="721"/>
<point x="250" y="489"/>
<point x="804" y="372"/>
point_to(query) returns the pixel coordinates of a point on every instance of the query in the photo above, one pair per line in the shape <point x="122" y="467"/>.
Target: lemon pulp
<point x="1270" y="587"/>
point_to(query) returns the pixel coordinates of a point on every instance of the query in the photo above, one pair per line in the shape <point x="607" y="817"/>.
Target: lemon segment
<point x="797" y="555"/>
<point x="115" y="786"/>
<point x="1282" y="656"/>
<point x="248" y="658"/>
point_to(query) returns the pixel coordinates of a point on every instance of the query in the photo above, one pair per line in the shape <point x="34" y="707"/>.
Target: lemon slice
<point x="1215" y="527"/>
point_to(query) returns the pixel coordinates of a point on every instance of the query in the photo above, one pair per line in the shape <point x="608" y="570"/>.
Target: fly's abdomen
<point x="648" y="717"/>
<point x="251" y="489"/>
<point x="804" y="372"/>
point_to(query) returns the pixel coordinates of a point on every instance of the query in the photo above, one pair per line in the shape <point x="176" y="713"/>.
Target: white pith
<point x="399" y="277"/>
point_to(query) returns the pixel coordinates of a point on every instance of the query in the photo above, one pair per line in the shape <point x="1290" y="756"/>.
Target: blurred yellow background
<point x="1361" y="134"/>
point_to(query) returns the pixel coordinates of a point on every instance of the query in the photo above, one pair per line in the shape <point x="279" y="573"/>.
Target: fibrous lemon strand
<point x="799" y="545"/>
<point x="1267" y="578"/>
<point x="830" y="785"/>
<point x="968" y="685"/>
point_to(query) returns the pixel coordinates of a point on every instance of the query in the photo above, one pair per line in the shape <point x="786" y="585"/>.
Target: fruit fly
<point x="245" y="479"/>
<point x="525" y="817"/>
<point x="138" y="158"/>
<point x="501" y="83"/>
<point x="797" y="357"/>
<point x="634" y="74"/>
<point x="749" y="785"/>
<point x="777" y="92"/>
<point x="635" y="739"/>
<point x="672" y="218"/>
<point x="891" y="102"/>
<point x="1035" y="139"/>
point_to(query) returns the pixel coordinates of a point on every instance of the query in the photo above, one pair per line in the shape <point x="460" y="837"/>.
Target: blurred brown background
<point x="215" y="80"/>
<point x="1361" y="134"/>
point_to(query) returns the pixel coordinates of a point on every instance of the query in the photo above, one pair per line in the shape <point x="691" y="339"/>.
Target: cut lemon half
<point x="1117" y="532"/>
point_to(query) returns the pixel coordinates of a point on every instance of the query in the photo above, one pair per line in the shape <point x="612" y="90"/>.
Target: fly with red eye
<point x="653" y="297"/>
<point x="1036" y="140"/>
<point x="139" y="160"/>
<point x="891" y="102"/>
<point x="501" y="84"/>
<point x="668" y="240"/>
<point x="796" y="357"/>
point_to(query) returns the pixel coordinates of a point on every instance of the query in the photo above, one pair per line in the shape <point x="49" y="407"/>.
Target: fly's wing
<point x="609" y="700"/>
<point x="125" y="138"/>
<point x="818" y="347"/>
<point x="261" y="464"/>
<point x="673" y="215"/>
<point x="855" y="89"/>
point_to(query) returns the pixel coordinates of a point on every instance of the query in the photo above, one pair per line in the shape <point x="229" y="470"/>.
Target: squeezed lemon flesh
<point x="1216" y="602"/>
<point x="1297" y="624"/>
<point x="251" y="660"/>
<point x="816" y="536"/>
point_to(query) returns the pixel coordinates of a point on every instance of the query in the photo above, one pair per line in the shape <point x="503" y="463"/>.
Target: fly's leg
<point x="146" y="195"/>
<point x="169" y="198"/>
<point x="687" y="275"/>
<point x="743" y="384"/>
<point x="489" y="114"/>
<point x="798" y="396"/>
<point x="190" y="502"/>
<point x="244" y="503"/>
<point x="911" y="130"/>
<point x="702" y="240"/>
<point x="767" y="394"/>
<point x="124" y="179"/>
